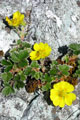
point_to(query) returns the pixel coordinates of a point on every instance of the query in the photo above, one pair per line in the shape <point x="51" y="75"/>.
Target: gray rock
<point x="6" y="118"/>
<point x="39" y="110"/>
<point x="6" y="39"/>
<point x="56" y="22"/>
<point x="13" y="106"/>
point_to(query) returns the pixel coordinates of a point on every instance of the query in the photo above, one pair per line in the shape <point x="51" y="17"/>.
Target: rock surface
<point x="56" y="22"/>
<point x="6" y="39"/>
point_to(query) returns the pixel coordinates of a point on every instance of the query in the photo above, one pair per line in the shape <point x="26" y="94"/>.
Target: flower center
<point x="61" y="93"/>
<point x="38" y="53"/>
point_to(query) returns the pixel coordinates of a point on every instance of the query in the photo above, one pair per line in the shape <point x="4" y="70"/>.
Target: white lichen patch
<point x="6" y="39"/>
<point x="49" y="14"/>
<point x="2" y="25"/>
<point x="12" y="107"/>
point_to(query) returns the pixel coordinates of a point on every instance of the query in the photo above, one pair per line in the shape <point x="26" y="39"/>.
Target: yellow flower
<point x="18" y="19"/>
<point x="61" y="94"/>
<point x="41" y="50"/>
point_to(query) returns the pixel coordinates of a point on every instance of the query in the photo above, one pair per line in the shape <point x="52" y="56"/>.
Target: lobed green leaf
<point x="8" y="90"/>
<point x="6" y="76"/>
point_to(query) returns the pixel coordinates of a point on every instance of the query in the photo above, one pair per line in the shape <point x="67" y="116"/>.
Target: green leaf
<point x="35" y="64"/>
<point x="46" y="87"/>
<point x="65" y="73"/>
<point x="25" y="44"/>
<point x="16" y="77"/>
<point x="79" y="62"/>
<point x="37" y="75"/>
<point x="19" y="42"/>
<point x="6" y="76"/>
<point x="8" y="90"/>
<point x="78" y="66"/>
<point x="8" y="68"/>
<point x="23" y="63"/>
<point x="5" y="62"/>
<point x="27" y="71"/>
<point x="54" y="62"/>
<point x="78" y="72"/>
<point x="47" y="78"/>
<point x="53" y="71"/>
<point x="75" y="47"/>
<point x="65" y="58"/>
<point x="19" y="84"/>
<point x="23" y="54"/>
<point x="14" y="57"/>
<point x="22" y="77"/>
<point x="52" y="78"/>
<point x="64" y="67"/>
<point x="32" y="73"/>
<point x="77" y="52"/>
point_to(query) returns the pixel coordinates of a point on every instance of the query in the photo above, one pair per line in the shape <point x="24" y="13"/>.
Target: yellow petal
<point x="9" y="21"/>
<point x="15" y="22"/>
<point x="69" y="98"/>
<point x="56" y="101"/>
<point x="53" y="94"/>
<point x="41" y="45"/>
<point x="18" y="19"/>
<point x="62" y="102"/>
<point x="33" y="56"/>
<point x="57" y="86"/>
<point x="67" y="86"/>
<point x="36" y="47"/>
<point x="21" y="17"/>
<point x="16" y="14"/>
<point x="48" y="48"/>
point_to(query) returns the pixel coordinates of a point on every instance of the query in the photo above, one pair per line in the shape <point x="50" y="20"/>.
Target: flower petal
<point x="18" y="19"/>
<point x="57" y="86"/>
<point x="36" y="47"/>
<point x="21" y="18"/>
<point x="62" y="102"/>
<point x="65" y="86"/>
<point x="9" y="21"/>
<point x="69" y="88"/>
<point x="33" y="56"/>
<point x="16" y="14"/>
<point x="56" y="101"/>
<point x="41" y="45"/>
<point x="69" y="98"/>
<point x="53" y="94"/>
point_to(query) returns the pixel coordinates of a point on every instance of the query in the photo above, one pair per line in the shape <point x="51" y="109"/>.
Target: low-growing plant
<point x="18" y="23"/>
<point x="20" y="71"/>
<point x="30" y="67"/>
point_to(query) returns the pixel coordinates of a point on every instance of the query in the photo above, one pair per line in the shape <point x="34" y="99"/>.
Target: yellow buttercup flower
<point x="62" y="94"/>
<point x="41" y="50"/>
<point x="18" y="19"/>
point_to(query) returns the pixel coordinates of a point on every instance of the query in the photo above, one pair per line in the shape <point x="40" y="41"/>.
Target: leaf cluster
<point x="17" y="68"/>
<point x="14" y="66"/>
<point x="77" y="72"/>
<point x="75" y="48"/>
<point x="56" y="72"/>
